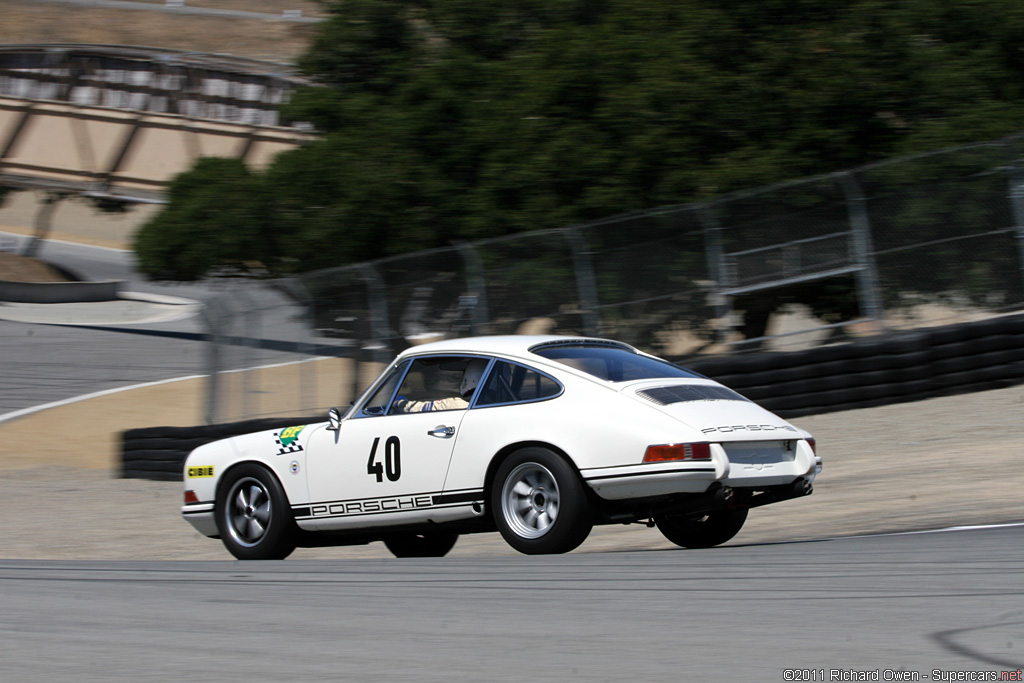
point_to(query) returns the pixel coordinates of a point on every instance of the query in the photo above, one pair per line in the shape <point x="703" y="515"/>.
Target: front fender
<point x="282" y="451"/>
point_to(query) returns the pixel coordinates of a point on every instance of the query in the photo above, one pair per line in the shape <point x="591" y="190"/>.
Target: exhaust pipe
<point x="720" y="498"/>
<point x="776" y="494"/>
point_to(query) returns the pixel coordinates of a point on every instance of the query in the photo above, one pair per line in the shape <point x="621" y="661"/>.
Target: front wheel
<point x="253" y="516"/>
<point x="702" y="531"/>
<point x="421" y="545"/>
<point x="539" y="503"/>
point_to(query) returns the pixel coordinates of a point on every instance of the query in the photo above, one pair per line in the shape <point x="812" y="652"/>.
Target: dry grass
<point x="278" y="41"/>
<point x="309" y="8"/>
<point x="14" y="268"/>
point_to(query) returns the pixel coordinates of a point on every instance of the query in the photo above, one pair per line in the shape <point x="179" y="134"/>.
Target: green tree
<point x="217" y="216"/>
<point x="461" y="119"/>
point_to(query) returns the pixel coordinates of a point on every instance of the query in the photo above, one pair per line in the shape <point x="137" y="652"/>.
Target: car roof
<point x="514" y="345"/>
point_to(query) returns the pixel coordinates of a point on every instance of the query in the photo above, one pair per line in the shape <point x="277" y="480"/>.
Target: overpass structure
<point x="118" y="123"/>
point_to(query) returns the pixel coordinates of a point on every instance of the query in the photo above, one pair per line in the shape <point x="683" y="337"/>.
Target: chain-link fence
<point x="914" y="241"/>
<point x="264" y="358"/>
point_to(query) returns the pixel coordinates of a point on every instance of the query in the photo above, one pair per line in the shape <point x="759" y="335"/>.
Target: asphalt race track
<point x="46" y="363"/>
<point x="922" y="603"/>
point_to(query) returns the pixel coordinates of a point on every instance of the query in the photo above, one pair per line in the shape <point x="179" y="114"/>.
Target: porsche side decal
<point x="373" y="506"/>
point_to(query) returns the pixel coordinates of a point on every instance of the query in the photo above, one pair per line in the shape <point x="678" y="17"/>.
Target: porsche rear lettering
<point x="728" y="429"/>
<point x="362" y="507"/>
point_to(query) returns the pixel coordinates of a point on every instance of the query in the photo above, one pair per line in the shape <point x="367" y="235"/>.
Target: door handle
<point x="442" y="432"/>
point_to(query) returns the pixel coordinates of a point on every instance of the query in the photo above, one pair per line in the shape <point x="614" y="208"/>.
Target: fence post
<point x="214" y="340"/>
<point x="715" y="254"/>
<point x="585" y="283"/>
<point x="297" y="290"/>
<point x="1017" y="201"/>
<point x="377" y="302"/>
<point x="251" y="317"/>
<point x="476" y="285"/>
<point x="861" y="246"/>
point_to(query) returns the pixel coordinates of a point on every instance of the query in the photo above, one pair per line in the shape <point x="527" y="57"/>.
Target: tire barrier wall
<point x="895" y="368"/>
<point x="159" y="452"/>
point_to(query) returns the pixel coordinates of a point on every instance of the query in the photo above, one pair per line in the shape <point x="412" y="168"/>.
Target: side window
<point x="511" y="383"/>
<point x="378" y="403"/>
<point x="439" y="383"/>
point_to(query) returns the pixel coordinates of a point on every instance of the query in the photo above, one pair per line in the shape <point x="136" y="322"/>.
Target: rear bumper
<point x="751" y="467"/>
<point x="684" y="476"/>
<point x="643" y="481"/>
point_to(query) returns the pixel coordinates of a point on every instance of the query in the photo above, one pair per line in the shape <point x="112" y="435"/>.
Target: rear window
<point x="612" y="363"/>
<point x="512" y="383"/>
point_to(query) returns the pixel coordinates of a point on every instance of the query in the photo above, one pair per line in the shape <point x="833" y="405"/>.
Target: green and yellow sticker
<point x="290" y="434"/>
<point x="287" y="440"/>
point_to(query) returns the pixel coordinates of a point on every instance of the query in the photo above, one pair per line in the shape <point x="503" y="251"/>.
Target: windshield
<point x="612" y="363"/>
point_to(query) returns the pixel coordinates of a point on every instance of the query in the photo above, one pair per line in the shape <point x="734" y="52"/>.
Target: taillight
<point x="191" y="497"/>
<point x="679" y="451"/>
<point x="813" y="444"/>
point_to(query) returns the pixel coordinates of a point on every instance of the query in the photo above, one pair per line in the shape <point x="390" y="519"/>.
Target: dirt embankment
<point x="278" y="41"/>
<point x="15" y="268"/>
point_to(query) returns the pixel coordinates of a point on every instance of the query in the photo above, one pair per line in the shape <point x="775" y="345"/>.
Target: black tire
<point x="702" y="531"/>
<point x="421" y="545"/>
<point x="253" y="517"/>
<point x="539" y="503"/>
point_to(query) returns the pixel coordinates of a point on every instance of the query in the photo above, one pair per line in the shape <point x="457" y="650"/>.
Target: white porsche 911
<point x="537" y="437"/>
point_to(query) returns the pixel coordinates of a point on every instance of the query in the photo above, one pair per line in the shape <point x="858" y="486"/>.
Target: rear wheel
<point x="539" y="503"/>
<point x="702" y="531"/>
<point x="421" y="545"/>
<point x="253" y="516"/>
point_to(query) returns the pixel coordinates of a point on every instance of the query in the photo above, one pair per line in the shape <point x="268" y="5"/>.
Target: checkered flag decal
<point x="287" y="440"/>
<point x="282" y="449"/>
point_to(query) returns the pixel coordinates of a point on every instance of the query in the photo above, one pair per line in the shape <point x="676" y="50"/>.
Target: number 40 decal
<point x="392" y="465"/>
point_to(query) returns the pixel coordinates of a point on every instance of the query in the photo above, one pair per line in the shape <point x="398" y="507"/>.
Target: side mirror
<point x="334" y="417"/>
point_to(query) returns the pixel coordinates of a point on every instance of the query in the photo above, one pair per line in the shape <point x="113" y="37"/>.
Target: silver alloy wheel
<point x="248" y="513"/>
<point x="529" y="500"/>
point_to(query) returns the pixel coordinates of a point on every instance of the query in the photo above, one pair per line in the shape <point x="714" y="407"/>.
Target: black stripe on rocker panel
<point x="648" y="474"/>
<point x="465" y="497"/>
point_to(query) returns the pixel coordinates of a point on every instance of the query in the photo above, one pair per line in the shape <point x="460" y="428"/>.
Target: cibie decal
<point x="200" y="472"/>
<point x="287" y="440"/>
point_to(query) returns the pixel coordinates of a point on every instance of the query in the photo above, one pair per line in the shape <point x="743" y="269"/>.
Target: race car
<point x="537" y="437"/>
